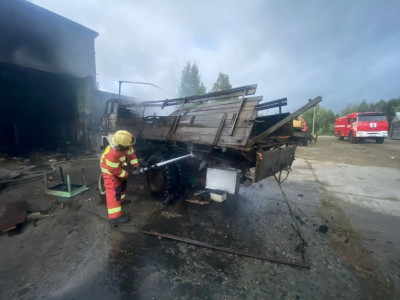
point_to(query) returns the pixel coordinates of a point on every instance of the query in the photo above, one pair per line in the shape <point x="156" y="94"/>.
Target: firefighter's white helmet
<point x="123" y="139"/>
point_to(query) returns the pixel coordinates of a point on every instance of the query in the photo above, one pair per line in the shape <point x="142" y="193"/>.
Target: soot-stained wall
<point x="47" y="79"/>
<point x="34" y="37"/>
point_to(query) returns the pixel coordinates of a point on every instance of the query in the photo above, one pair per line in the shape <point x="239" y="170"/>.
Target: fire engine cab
<point x="361" y="126"/>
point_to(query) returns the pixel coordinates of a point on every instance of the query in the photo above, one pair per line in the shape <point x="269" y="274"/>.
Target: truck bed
<point x="208" y="124"/>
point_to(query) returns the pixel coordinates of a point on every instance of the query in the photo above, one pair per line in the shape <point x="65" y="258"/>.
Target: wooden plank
<point x="233" y="105"/>
<point x="154" y="132"/>
<point x="36" y="216"/>
<point x="252" y="100"/>
<point x="215" y="123"/>
<point x="215" y="117"/>
<point x="202" y="139"/>
<point x="209" y="139"/>
<point x="246" y="114"/>
<point x="224" y="108"/>
<point x="219" y="131"/>
<point x="251" y="90"/>
<point x="206" y="130"/>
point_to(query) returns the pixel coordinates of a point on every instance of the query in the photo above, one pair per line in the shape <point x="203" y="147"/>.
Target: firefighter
<point x="116" y="156"/>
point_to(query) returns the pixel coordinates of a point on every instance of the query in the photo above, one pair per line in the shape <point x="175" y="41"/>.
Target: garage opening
<point x="38" y="110"/>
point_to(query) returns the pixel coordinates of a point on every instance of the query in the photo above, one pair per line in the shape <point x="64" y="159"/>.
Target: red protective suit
<point x="114" y="175"/>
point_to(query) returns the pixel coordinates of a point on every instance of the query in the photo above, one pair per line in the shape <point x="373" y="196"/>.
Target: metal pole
<point x="119" y="89"/>
<point x="120" y="82"/>
<point x="313" y="122"/>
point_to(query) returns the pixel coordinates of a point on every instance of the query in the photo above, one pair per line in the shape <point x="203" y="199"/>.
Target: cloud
<point x="345" y="51"/>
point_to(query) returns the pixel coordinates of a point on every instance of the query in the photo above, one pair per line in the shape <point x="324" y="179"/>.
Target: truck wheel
<point x="379" y="140"/>
<point x="162" y="181"/>
<point x="340" y="137"/>
<point x="352" y="139"/>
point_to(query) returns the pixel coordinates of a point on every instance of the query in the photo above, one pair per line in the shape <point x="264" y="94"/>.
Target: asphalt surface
<point x="349" y="190"/>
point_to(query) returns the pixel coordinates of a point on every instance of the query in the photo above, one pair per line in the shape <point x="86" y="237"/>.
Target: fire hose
<point x="145" y="169"/>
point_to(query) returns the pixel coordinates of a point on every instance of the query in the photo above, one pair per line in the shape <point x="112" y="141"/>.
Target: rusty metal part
<point x="14" y="214"/>
<point x="272" y="161"/>
<point x="272" y="104"/>
<point x="229" y="250"/>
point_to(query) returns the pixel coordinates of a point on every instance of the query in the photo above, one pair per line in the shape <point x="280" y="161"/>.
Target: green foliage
<point x="222" y="83"/>
<point x="324" y="120"/>
<point x="191" y="84"/>
<point x="388" y="107"/>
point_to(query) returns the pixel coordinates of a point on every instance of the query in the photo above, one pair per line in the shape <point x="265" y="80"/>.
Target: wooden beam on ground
<point x="229" y="250"/>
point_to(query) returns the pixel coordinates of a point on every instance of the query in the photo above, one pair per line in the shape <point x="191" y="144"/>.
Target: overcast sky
<point x="345" y="51"/>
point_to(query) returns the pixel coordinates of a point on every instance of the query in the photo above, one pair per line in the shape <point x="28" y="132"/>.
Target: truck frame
<point x="223" y="131"/>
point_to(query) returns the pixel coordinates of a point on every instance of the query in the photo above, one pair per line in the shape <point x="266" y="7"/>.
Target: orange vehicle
<point x="361" y="126"/>
<point x="300" y="132"/>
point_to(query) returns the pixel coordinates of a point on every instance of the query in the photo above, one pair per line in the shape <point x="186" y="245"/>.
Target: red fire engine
<point x="361" y="126"/>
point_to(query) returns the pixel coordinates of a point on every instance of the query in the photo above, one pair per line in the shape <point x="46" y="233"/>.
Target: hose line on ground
<point x="101" y="191"/>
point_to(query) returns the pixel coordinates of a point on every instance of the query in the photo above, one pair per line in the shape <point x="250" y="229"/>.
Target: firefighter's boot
<point x="126" y="202"/>
<point x="120" y="220"/>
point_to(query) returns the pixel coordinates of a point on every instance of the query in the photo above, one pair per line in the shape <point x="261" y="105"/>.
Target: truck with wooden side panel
<point x="229" y="141"/>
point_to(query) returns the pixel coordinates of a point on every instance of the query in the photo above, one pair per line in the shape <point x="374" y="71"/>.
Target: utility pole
<point x="313" y="122"/>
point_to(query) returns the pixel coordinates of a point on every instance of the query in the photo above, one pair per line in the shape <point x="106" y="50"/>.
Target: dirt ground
<point x="352" y="190"/>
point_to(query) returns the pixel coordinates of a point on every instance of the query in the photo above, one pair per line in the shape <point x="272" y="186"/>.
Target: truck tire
<point x="352" y="138"/>
<point x="340" y="137"/>
<point x="163" y="181"/>
<point x="379" y="140"/>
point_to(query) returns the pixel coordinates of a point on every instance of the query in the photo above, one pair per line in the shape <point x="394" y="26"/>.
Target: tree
<point x="222" y="83"/>
<point x="363" y="107"/>
<point x="324" y="120"/>
<point x="191" y="84"/>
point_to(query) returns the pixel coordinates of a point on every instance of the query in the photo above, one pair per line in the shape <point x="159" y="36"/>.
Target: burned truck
<point x="228" y="139"/>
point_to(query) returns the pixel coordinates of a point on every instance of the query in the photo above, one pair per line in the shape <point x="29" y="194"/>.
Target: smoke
<point x="33" y="37"/>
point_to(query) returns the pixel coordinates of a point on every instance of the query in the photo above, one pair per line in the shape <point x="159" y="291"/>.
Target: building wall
<point x="34" y="37"/>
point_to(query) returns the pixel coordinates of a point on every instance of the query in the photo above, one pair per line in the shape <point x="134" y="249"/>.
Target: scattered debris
<point x="66" y="190"/>
<point x="218" y="196"/>
<point x="323" y="228"/>
<point x="14" y="214"/>
<point x="246" y="182"/>
<point x="196" y="201"/>
<point x="36" y="216"/>
<point x="201" y="197"/>
<point x="300" y="220"/>
<point x="170" y="215"/>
